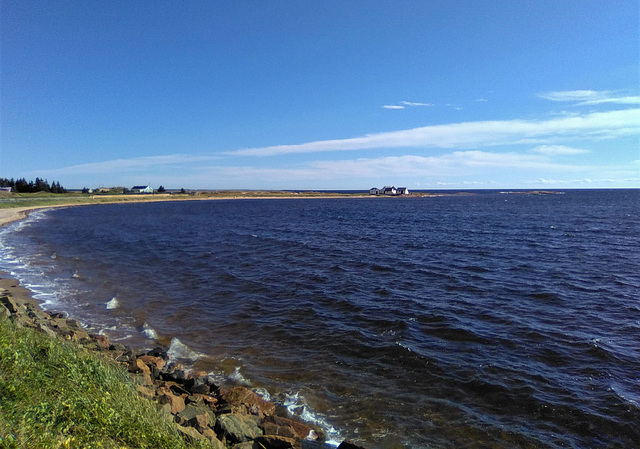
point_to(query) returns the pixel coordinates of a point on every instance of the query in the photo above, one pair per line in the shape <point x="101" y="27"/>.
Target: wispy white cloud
<point x="405" y="104"/>
<point x="589" y="181"/>
<point x="124" y="165"/>
<point x="411" y="103"/>
<point x="590" y="97"/>
<point x="557" y="150"/>
<point x="469" y="135"/>
<point x="481" y="100"/>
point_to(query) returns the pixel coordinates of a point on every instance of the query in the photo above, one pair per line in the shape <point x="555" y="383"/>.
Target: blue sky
<point x="322" y="94"/>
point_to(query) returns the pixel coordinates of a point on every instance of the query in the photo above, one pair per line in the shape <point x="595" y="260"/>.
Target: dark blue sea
<point x="500" y="320"/>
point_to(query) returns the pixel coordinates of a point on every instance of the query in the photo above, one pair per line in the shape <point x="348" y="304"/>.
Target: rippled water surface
<point x="484" y="320"/>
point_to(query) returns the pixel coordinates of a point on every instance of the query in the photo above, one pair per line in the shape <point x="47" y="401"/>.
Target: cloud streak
<point x="124" y="165"/>
<point x="405" y="104"/>
<point x="468" y="135"/>
<point x="589" y="97"/>
<point x="558" y="150"/>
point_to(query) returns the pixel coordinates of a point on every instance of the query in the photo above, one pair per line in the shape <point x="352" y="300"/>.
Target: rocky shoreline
<point x="225" y="417"/>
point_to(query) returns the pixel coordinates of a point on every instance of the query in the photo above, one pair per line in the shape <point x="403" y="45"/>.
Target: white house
<point x="141" y="189"/>
<point x="402" y="191"/>
<point x="374" y="191"/>
<point x="388" y="190"/>
<point x="6" y="189"/>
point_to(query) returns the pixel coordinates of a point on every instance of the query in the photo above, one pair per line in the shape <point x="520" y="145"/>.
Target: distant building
<point x="6" y="189"/>
<point x="389" y="190"/>
<point x="141" y="189"/>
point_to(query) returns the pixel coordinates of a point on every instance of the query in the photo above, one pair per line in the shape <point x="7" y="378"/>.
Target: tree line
<point x="39" y="185"/>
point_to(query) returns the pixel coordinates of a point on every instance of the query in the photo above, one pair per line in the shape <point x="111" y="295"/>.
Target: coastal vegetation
<point x="54" y="394"/>
<point x="39" y="185"/>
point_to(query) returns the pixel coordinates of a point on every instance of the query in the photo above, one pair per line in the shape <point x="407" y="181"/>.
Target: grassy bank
<point x="15" y="200"/>
<point x="54" y="394"/>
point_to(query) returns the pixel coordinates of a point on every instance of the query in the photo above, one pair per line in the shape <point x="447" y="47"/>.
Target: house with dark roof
<point x="141" y="189"/>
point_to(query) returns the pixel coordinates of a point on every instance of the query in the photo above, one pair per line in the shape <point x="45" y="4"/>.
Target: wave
<point x="178" y="350"/>
<point x="112" y="303"/>
<point x="149" y="332"/>
<point x="297" y="406"/>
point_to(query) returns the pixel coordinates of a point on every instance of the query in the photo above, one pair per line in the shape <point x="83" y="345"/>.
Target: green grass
<point x="54" y="394"/>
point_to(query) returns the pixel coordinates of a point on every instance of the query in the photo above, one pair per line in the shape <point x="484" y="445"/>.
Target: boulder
<point x="247" y="445"/>
<point x="278" y="442"/>
<point x="46" y="329"/>
<point x="199" y="417"/>
<point x="277" y="425"/>
<point x="349" y="445"/>
<point x="78" y="335"/>
<point x="158" y="352"/>
<point x="191" y="434"/>
<point x="176" y="402"/>
<point x="238" y="428"/>
<point x="243" y="396"/>
<point x="10" y="304"/>
<point x="102" y="340"/>
<point x="150" y="360"/>
<point x="146" y="392"/>
<point x="199" y="385"/>
<point x="137" y="366"/>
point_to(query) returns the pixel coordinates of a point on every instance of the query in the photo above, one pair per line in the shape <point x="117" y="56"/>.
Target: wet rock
<point x="158" y="352"/>
<point x="349" y="445"/>
<point x="277" y="425"/>
<point x="243" y="396"/>
<point x="198" y="385"/>
<point x="274" y="429"/>
<point x="238" y="428"/>
<point x="173" y="374"/>
<point x="278" y="442"/>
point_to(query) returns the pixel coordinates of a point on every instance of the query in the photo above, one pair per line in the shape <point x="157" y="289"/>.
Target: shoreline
<point x="189" y="396"/>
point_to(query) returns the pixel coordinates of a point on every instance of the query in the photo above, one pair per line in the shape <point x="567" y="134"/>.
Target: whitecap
<point x="149" y="332"/>
<point x="297" y="406"/>
<point x="178" y="350"/>
<point x="263" y="393"/>
<point x="238" y="377"/>
<point x="112" y="303"/>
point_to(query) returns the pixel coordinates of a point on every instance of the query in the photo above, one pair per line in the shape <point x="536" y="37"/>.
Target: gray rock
<point x="238" y="428"/>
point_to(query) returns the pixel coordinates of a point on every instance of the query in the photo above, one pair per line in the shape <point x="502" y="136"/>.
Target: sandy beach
<point x="10" y="215"/>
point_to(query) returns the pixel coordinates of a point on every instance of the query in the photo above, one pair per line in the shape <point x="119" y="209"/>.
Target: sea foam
<point x="178" y="350"/>
<point x="112" y="303"/>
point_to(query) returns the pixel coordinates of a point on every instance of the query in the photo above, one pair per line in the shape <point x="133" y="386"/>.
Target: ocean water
<point x="483" y="320"/>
